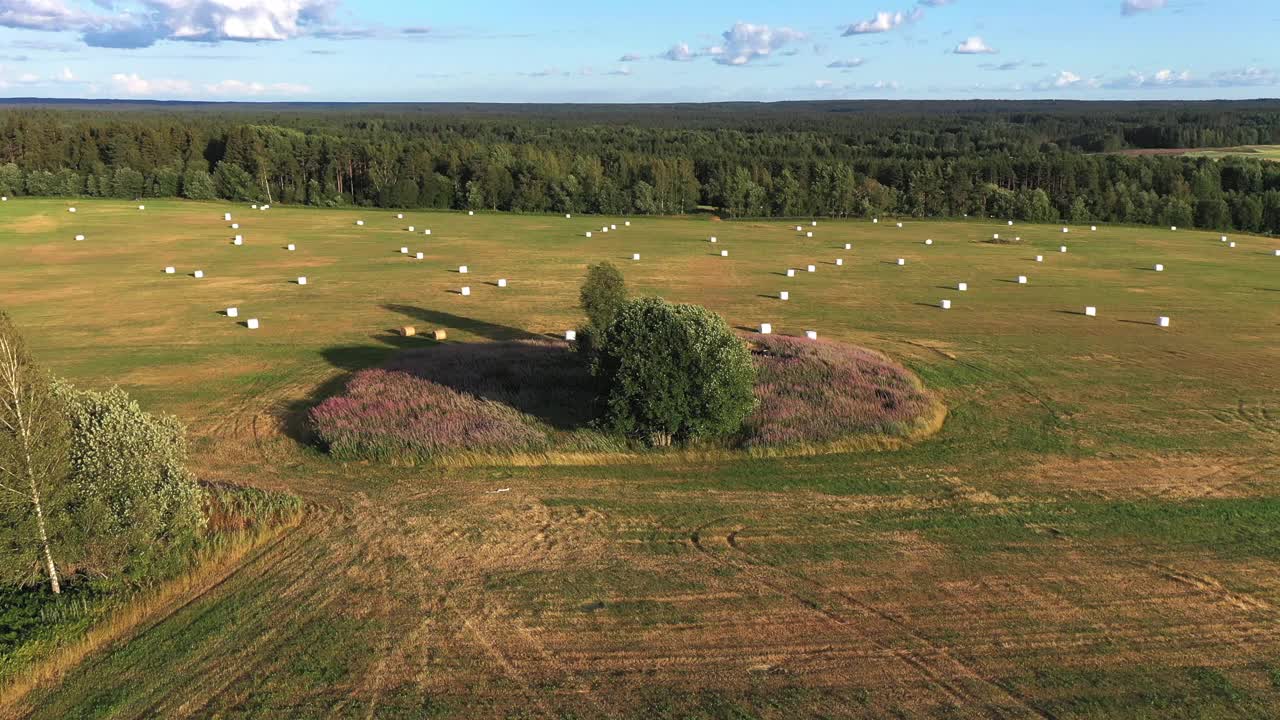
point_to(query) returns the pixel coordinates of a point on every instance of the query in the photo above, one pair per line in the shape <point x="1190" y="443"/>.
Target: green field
<point x="1094" y="533"/>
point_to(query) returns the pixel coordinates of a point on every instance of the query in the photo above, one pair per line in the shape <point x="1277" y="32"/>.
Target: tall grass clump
<point x="817" y="391"/>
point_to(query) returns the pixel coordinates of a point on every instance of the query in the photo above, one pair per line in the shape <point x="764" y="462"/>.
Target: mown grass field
<point x="1094" y="533"/>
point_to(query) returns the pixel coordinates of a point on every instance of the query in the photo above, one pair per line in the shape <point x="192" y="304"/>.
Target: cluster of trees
<point x="90" y="484"/>
<point x="665" y="372"/>
<point x="1028" y="161"/>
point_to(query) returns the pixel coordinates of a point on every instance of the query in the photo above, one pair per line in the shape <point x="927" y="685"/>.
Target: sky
<point x="654" y="51"/>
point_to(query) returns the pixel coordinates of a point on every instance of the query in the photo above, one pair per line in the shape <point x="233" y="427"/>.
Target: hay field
<point x="1092" y="534"/>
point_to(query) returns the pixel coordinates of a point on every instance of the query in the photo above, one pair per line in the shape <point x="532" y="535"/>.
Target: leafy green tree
<point x="603" y="293"/>
<point x="10" y="179"/>
<point x="198" y="185"/>
<point x="33" y="464"/>
<point x="128" y="183"/>
<point x="233" y="182"/>
<point x="673" y="372"/>
<point x="133" y="495"/>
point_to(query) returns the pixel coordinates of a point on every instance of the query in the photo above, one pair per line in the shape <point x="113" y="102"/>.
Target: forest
<point x="1035" y="161"/>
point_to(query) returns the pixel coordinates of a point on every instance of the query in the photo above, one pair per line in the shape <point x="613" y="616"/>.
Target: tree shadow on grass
<point x="432" y="319"/>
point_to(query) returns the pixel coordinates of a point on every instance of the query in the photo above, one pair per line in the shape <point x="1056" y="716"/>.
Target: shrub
<point x="672" y="372"/>
<point x="813" y="392"/>
<point x="392" y="415"/>
<point x="133" y="495"/>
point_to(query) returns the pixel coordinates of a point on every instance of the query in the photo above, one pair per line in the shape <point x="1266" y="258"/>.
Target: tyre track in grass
<point x="998" y="701"/>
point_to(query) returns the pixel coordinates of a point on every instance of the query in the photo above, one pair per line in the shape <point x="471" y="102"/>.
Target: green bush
<point x="133" y="495"/>
<point x="673" y="372"/>
<point x="603" y="293"/>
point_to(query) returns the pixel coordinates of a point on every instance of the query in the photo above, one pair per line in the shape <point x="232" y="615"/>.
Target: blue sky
<point x="656" y="51"/>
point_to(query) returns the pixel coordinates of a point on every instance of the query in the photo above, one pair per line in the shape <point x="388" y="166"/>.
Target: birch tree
<point x="33" y="457"/>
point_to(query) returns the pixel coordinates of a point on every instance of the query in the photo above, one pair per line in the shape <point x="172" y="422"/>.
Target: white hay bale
<point x="1231" y="244"/>
<point x="1091" y="311"/>
<point x="235" y="226"/>
<point x="875" y="221"/>
<point x="79" y="238"/>
<point x="71" y="210"/>
<point x="399" y="216"/>
<point x="404" y="251"/>
<point x="811" y="334"/>
<point x="1018" y="239"/>
<point x="848" y="246"/>
<point x="627" y="223"/>
<point x="1173" y="228"/>
<point x="302" y="279"/>
<point x="1093" y="228"/>
<point x="255" y="207"/>
<point x="4" y="198"/>
<point x="142" y="207"/>
<point x="811" y="268"/>
<point x="266" y="207"/>
<point x="290" y="247"/>
<point x="613" y="226"/>
<point x="252" y="323"/>
<point x="588" y="233"/>
<point x="1010" y="223"/>
<point x="462" y="270"/>
<point x="359" y="223"/>
<point x="1066" y="230"/>
<point x="1039" y="258"/>
<point x="411" y="229"/>
<point x="713" y="238"/>
<point x="567" y="216"/>
<point x="814" y="223"/>
<point x="198" y="274"/>
<point x="899" y="224"/>
<point x="1223" y="239"/>
<point x="791" y="272"/>
<point x="995" y="236"/>
<point x="419" y="256"/>
<point x="233" y="312"/>
<point x="170" y="270"/>
<point x="945" y="304"/>
<point x="635" y="256"/>
<point x="1022" y="279"/>
<point x="1159" y="267"/>
<point x="1162" y="321"/>
<point x="1062" y="248"/>
<point x="928" y="242"/>
<point x="808" y="234"/>
<point x="502" y="282"/>
<point x="570" y="335"/>
<point x="427" y="231"/>
<point x="1277" y="253"/>
<point x="466" y="290"/>
<point x="784" y="295"/>
<point x="799" y="228"/>
<point x="766" y="329"/>
<point x="839" y="262"/>
<point x="238" y="240"/>
<point x="962" y="287"/>
<point x="604" y="229"/>
<point x="902" y="261"/>
<point x="226" y="217"/>
<point x="471" y="212"/>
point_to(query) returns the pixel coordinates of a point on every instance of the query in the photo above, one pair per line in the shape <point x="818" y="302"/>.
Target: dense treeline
<point x="1043" y="161"/>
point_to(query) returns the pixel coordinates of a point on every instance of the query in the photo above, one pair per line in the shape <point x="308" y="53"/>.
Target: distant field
<point x="1262" y="152"/>
<point x="1095" y="532"/>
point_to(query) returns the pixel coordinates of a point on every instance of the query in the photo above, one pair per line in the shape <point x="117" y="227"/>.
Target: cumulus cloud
<point x="884" y="21"/>
<point x="974" y="46"/>
<point x="830" y="88"/>
<point x="745" y="42"/>
<point x="680" y="52"/>
<point x="141" y="23"/>
<point x="242" y="88"/>
<point x="847" y="64"/>
<point x="1168" y="78"/>
<point x="1134" y="7"/>
<point x="1067" y="80"/>
<point x="135" y="85"/>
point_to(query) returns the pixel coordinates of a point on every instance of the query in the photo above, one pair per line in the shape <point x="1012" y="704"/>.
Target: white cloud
<point x="1133" y="7"/>
<point x="630" y="57"/>
<point x="884" y="21"/>
<point x="936" y="3"/>
<point x="847" y="64"/>
<point x="679" y="53"/>
<point x="66" y="75"/>
<point x="1067" y="80"/>
<point x="135" y="85"/>
<point x="745" y="42"/>
<point x="974" y="46"/>
<point x="1166" y="78"/>
<point x="242" y="88"/>
<point x="142" y="23"/>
